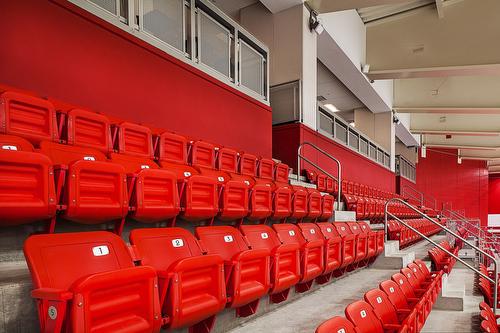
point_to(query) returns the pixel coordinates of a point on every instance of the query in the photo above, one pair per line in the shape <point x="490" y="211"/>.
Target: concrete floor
<point x="306" y="313"/>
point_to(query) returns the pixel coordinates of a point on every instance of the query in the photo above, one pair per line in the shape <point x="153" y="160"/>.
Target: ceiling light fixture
<point x="331" y="107"/>
<point x="315" y="23"/>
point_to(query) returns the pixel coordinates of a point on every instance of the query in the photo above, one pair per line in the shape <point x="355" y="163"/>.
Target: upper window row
<point x="405" y="168"/>
<point x="196" y="32"/>
<point x="342" y="132"/>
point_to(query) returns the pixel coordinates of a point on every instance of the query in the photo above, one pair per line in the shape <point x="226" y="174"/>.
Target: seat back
<point x="404" y="285"/>
<point x="133" y="164"/>
<point x="30" y="117"/>
<point x="161" y="247"/>
<point x="382" y="307"/>
<point x="58" y="260"/>
<point x="328" y="230"/>
<point x="11" y="142"/>
<point x="136" y="140"/>
<point x="336" y="325"/>
<point x="362" y="316"/>
<point x="281" y="172"/>
<point x="311" y="231"/>
<point x="248" y="165"/>
<point x="224" y="241"/>
<point x="227" y="160"/>
<point x="89" y="129"/>
<point x="265" y="168"/>
<point x="202" y="154"/>
<point x="173" y="148"/>
<point x="260" y="236"/>
<point x="289" y="234"/>
<point x="394" y="294"/>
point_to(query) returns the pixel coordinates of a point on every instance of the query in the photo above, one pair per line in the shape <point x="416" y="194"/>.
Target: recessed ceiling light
<point x="331" y="107"/>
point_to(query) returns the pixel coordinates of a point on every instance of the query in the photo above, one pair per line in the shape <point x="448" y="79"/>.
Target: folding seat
<point x="403" y="304"/>
<point x="360" y="202"/>
<point x="334" y="251"/>
<point x="247" y="270"/>
<point x="336" y="325"/>
<point x="332" y="255"/>
<point x="321" y="182"/>
<point x="191" y="285"/>
<point x="88" y="129"/>
<point x="413" y="294"/>
<point x="87" y="282"/>
<point x="282" y="191"/>
<point x="488" y="327"/>
<point x="95" y="189"/>
<point x="361" y="241"/>
<point x="153" y="193"/>
<point x="198" y="194"/>
<point x="387" y="313"/>
<point x="311" y="253"/>
<point x="364" y="319"/>
<point x="27" y="191"/>
<point x="285" y="259"/>
<point x="348" y="244"/>
<point x="332" y="186"/>
<point x="420" y="287"/>
<point x="327" y="207"/>
<point x="300" y="195"/>
<point x="233" y="194"/>
<point x="439" y="260"/>
<point x="314" y="204"/>
<point x="27" y="116"/>
<point x="260" y="194"/>
<point x="371" y="239"/>
<point x="380" y="242"/>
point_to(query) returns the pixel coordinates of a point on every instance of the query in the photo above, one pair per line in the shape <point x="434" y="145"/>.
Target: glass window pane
<point x="124" y="9"/>
<point x="109" y="5"/>
<point x="353" y="140"/>
<point x="341" y="132"/>
<point x="251" y="68"/>
<point x="325" y="123"/>
<point x="363" y="146"/>
<point x="163" y="19"/>
<point x="373" y="152"/>
<point x="380" y="156"/>
<point x="214" y="45"/>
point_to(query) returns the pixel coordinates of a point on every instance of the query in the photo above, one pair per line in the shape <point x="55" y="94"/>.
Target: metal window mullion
<point x="237" y="57"/>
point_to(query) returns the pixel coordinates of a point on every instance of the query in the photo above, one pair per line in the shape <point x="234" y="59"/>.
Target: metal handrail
<point x="339" y="166"/>
<point x="414" y="195"/>
<point x="495" y="280"/>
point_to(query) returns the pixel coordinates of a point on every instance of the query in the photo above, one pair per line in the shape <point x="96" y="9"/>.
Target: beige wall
<point x="408" y="153"/>
<point x="377" y="126"/>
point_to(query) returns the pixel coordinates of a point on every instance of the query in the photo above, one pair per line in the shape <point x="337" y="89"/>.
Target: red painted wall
<point x="75" y="57"/>
<point x="356" y="167"/>
<point x="494" y="195"/>
<point x="464" y="185"/>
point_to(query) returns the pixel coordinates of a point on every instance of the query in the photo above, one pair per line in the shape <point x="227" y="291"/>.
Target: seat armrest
<point x="191" y="263"/>
<point x="52" y="294"/>
<point x="115" y="278"/>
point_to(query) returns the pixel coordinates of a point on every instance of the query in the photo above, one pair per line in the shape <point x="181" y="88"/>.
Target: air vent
<point x="321" y="98"/>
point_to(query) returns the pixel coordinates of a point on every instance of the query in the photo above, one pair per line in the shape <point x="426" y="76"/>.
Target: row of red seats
<point x="489" y="320"/>
<point x="406" y="236"/>
<point x="401" y="304"/>
<point x="486" y="287"/>
<point x="88" y="170"/>
<point x="183" y="280"/>
<point x="442" y="260"/>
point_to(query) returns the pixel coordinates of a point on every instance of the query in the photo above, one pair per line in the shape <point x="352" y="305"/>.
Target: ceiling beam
<point x="447" y="110"/>
<point x="460" y="133"/>
<point x="411" y="73"/>
<point x="326" y="6"/>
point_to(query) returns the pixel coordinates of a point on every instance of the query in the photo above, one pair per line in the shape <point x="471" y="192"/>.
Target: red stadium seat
<point x="88" y="129"/>
<point x="191" y="285"/>
<point x="27" y="190"/>
<point x="334" y="251"/>
<point x="233" y="194"/>
<point x="285" y="259"/>
<point x="387" y="313"/>
<point x="153" y="193"/>
<point x="30" y="117"/>
<point x="260" y="199"/>
<point x="311" y="253"/>
<point x="336" y="325"/>
<point x="198" y="194"/>
<point x="371" y="239"/>
<point x="87" y="282"/>
<point x="327" y="206"/>
<point x="364" y="319"/>
<point x="361" y="241"/>
<point x="247" y="271"/>
<point x="348" y="244"/>
<point x="95" y="189"/>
